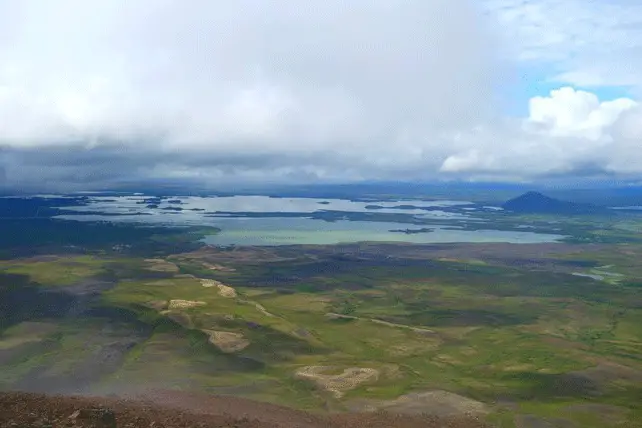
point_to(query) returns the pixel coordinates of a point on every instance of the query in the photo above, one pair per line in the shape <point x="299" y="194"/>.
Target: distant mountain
<point x="536" y="203"/>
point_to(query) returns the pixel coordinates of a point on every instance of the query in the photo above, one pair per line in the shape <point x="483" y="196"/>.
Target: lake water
<point x="227" y="213"/>
<point x="288" y="231"/>
<point x="266" y="204"/>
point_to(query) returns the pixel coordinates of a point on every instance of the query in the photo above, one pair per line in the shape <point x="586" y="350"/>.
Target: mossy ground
<point x="484" y="330"/>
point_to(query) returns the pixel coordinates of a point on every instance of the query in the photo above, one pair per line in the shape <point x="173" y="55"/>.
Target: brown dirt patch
<point x="174" y="409"/>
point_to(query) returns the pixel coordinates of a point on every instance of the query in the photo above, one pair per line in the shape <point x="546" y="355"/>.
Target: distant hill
<point x="537" y="203"/>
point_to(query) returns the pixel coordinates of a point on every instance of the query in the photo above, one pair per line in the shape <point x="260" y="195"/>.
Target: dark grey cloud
<point x="236" y="83"/>
<point x="93" y="93"/>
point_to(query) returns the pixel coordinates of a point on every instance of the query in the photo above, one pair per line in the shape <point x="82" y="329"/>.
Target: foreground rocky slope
<point x="171" y="409"/>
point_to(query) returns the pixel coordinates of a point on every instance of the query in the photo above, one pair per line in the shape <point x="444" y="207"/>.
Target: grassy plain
<point x="510" y="326"/>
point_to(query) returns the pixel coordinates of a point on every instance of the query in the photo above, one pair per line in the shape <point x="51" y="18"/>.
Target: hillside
<point x="180" y="410"/>
<point x="537" y="203"/>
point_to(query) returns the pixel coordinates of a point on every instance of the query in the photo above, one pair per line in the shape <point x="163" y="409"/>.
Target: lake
<point x="231" y="215"/>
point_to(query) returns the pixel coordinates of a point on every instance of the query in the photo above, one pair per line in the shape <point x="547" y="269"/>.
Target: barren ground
<point x="179" y="410"/>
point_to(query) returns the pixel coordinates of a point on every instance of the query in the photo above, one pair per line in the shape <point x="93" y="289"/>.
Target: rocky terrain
<point x="181" y="410"/>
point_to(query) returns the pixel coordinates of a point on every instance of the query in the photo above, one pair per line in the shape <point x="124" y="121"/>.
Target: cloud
<point x="216" y="73"/>
<point x="568" y="133"/>
<point x="172" y="84"/>
<point x="109" y="91"/>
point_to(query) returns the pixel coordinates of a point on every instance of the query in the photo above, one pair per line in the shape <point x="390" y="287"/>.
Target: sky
<point x="97" y="93"/>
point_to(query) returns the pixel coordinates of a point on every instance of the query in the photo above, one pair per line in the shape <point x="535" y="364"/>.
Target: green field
<point x="523" y="335"/>
<point x="526" y="343"/>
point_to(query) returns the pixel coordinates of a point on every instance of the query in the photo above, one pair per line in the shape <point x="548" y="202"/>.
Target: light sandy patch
<point x="226" y="291"/>
<point x="422" y="331"/>
<point x="333" y="316"/>
<point x="262" y="310"/>
<point x="226" y="341"/>
<point x="259" y="308"/>
<point x="217" y="267"/>
<point x="518" y="368"/>
<point x="209" y="283"/>
<point x="184" y="304"/>
<point x="415" y="329"/>
<point x="439" y="403"/>
<point x="160" y="265"/>
<point x="223" y="290"/>
<point x="338" y="384"/>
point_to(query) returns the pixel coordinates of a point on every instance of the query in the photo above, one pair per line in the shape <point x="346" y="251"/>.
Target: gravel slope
<point x="179" y="410"/>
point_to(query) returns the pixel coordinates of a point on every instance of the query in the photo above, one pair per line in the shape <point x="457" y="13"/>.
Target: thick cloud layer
<point x="93" y="93"/>
<point x="567" y="133"/>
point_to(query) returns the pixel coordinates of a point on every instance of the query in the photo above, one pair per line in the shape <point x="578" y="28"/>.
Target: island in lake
<point x="413" y="231"/>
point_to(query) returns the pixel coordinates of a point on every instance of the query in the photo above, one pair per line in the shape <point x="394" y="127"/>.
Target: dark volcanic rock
<point x="171" y="409"/>
<point x="96" y="417"/>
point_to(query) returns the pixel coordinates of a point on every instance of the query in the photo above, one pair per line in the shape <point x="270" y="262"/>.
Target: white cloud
<point x="569" y="132"/>
<point x="212" y="72"/>
<point x="323" y="86"/>
<point x="571" y="113"/>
